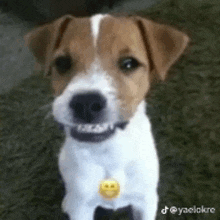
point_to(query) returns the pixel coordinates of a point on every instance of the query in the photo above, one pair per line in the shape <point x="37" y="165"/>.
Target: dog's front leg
<point x="81" y="185"/>
<point x="80" y="210"/>
<point x="147" y="210"/>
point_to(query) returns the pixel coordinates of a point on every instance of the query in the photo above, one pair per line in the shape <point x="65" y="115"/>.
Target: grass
<point x="184" y="112"/>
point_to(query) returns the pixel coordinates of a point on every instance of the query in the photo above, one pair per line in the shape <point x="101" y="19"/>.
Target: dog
<point x="101" y="69"/>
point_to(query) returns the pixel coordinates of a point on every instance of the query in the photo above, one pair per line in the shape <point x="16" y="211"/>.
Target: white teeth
<point x="94" y="128"/>
<point x="111" y="126"/>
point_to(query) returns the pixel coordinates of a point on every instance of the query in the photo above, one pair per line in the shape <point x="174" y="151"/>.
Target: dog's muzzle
<point x="89" y="112"/>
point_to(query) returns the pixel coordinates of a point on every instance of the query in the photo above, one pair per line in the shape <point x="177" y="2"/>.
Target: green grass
<point x="184" y="112"/>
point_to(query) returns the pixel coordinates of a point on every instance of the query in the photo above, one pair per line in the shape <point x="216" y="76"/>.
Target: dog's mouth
<point x="95" y="132"/>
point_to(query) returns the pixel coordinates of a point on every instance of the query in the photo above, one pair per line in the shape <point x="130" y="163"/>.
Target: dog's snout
<point x="88" y="108"/>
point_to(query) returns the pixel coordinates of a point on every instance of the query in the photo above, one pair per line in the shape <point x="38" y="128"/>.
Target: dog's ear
<point x="43" y="40"/>
<point x="163" y="43"/>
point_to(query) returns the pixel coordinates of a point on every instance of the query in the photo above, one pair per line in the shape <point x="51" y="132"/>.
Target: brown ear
<point x="164" y="44"/>
<point x="43" y="40"/>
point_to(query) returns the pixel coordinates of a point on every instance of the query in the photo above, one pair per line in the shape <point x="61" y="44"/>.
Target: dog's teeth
<point x="79" y="128"/>
<point x="100" y="128"/>
<point x="111" y="126"/>
<point x="87" y="128"/>
<point x="82" y="128"/>
<point x="97" y="128"/>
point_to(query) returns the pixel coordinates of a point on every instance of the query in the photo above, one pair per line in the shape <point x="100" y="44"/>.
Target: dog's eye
<point x="128" y="64"/>
<point x="63" y="64"/>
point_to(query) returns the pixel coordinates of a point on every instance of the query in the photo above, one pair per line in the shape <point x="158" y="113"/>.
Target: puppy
<point x="101" y="69"/>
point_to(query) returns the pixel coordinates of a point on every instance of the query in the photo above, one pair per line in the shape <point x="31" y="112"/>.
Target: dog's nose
<point x="88" y="108"/>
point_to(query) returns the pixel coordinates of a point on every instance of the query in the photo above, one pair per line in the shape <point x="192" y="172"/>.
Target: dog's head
<point x="102" y="68"/>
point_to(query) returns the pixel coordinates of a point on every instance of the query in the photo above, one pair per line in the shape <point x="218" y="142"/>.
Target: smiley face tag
<point x="109" y="189"/>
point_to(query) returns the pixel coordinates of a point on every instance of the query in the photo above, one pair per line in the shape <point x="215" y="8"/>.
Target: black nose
<point x="88" y="108"/>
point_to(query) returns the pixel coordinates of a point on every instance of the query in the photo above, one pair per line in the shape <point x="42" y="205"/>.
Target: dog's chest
<point x="104" y="160"/>
<point x="89" y="168"/>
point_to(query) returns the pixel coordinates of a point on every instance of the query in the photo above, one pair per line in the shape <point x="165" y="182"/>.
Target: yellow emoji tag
<point x="109" y="189"/>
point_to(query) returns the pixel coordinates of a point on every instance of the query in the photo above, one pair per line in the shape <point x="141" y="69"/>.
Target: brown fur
<point x="155" y="46"/>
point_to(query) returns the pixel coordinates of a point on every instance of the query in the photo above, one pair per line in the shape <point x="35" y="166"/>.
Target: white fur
<point x="129" y="157"/>
<point x="96" y="79"/>
<point x="95" y="26"/>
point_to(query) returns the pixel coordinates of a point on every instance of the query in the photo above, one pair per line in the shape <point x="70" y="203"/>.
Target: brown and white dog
<point x="101" y="69"/>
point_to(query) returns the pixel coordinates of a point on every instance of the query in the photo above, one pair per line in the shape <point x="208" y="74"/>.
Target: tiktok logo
<point x="164" y="211"/>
